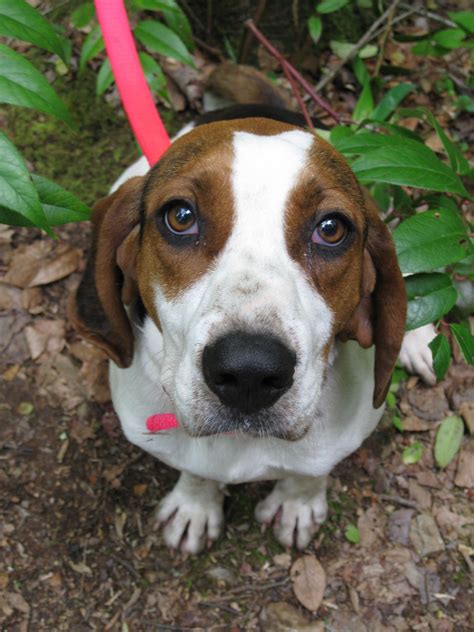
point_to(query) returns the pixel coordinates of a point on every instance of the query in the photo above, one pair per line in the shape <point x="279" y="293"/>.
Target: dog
<point x="247" y="284"/>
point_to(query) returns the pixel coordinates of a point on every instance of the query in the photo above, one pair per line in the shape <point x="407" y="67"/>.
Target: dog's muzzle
<point x="248" y="372"/>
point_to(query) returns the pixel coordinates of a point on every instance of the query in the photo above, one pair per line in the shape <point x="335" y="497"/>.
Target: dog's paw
<point x="415" y="355"/>
<point x="296" y="507"/>
<point x="191" y="515"/>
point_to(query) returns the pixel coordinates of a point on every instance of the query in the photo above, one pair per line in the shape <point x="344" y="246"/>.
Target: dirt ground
<point x="77" y="550"/>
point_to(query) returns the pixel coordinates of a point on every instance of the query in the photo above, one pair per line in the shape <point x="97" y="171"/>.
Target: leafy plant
<point x="27" y="200"/>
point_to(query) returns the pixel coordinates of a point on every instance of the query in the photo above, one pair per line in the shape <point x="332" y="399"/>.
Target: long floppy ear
<point x="380" y="316"/>
<point x="97" y="308"/>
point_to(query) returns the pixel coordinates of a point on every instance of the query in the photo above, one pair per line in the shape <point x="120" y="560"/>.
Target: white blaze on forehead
<point x="265" y="169"/>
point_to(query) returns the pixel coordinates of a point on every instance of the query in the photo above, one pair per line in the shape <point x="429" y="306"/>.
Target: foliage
<point x="448" y="440"/>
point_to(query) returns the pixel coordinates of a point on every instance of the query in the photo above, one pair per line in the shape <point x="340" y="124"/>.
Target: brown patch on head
<point x="360" y="280"/>
<point x="198" y="168"/>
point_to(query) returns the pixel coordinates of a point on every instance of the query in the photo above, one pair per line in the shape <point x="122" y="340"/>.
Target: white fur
<point x="255" y="285"/>
<point x="416" y="356"/>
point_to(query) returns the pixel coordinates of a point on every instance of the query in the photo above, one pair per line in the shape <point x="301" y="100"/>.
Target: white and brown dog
<point x="264" y="306"/>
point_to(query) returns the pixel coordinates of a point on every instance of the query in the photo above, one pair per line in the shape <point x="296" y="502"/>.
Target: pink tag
<point x="165" y="421"/>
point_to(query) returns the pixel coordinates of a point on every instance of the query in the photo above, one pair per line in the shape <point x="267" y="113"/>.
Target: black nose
<point x="248" y="371"/>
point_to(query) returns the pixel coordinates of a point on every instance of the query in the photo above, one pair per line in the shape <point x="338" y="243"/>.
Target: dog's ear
<point x="380" y="316"/>
<point x="97" y="308"/>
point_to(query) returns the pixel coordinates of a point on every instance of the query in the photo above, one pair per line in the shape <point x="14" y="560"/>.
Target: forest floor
<point x="77" y="551"/>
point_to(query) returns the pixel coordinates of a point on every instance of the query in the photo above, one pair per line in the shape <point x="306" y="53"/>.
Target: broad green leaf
<point x="413" y="453"/>
<point x="367" y="51"/>
<point x="105" y="77"/>
<point x="441" y="352"/>
<point x="427" y="48"/>
<point x="465" y="340"/>
<point x="154" y="75"/>
<point x="92" y="46"/>
<point x="21" y="84"/>
<point x="338" y="133"/>
<point x="174" y="17"/>
<point x="464" y="19"/>
<point x="329" y="6"/>
<point x="341" y="49"/>
<point x="412" y="165"/>
<point x="366" y="142"/>
<point x="352" y="534"/>
<point x="390" y="101"/>
<point x="19" y="20"/>
<point x="83" y="15"/>
<point x="397" y="423"/>
<point x="60" y="206"/>
<point x="449" y="38"/>
<point x="365" y="104"/>
<point x="159" y="38"/>
<point x="17" y="192"/>
<point x="315" y="28"/>
<point x="430" y="296"/>
<point x="431" y="240"/>
<point x="448" y="440"/>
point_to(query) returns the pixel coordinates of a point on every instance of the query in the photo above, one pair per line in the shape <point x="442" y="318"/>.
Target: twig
<point x="398" y="500"/>
<point x="246" y="40"/>
<point x="386" y="30"/>
<point x="356" y="48"/>
<point x="432" y="16"/>
<point x="284" y="63"/>
<point x="297" y="94"/>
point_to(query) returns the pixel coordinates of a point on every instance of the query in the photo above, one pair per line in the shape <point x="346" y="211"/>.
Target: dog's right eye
<point x="180" y="218"/>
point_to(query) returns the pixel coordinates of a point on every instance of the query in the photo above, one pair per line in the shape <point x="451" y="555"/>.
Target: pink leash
<point x="136" y="97"/>
<point x="140" y="109"/>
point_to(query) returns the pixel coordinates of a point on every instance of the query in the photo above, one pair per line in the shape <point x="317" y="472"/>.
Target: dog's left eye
<point x="180" y="218"/>
<point x="331" y="231"/>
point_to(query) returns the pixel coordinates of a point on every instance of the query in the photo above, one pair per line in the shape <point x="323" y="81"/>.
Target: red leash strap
<point x="136" y="97"/>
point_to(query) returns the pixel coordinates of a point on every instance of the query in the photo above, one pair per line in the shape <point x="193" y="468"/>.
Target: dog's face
<point x="252" y="247"/>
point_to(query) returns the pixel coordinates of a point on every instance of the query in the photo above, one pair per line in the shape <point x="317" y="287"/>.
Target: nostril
<point x="274" y="381"/>
<point x="225" y="379"/>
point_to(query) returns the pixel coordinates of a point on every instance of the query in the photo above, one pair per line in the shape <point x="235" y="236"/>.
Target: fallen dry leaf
<point x="45" y="335"/>
<point x="465" y="472"/>
<point x="309" y="581"/>
<point x="466" y="410"/>
<point x="283" y="617"/>
<point x="425" y="536"/>
<point x="40" y="263"/>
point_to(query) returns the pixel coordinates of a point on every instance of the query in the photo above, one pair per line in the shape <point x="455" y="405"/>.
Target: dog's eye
<point x="180" y="218"/>
<point x="331" y="231"/>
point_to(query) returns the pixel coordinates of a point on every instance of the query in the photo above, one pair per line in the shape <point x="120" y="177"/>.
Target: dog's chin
<point x="263" y="424"/>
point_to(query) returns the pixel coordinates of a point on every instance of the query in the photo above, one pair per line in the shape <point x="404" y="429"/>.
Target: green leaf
<point x="159" y="38"/>
<point x="315" y="27"/>
<point x="412" y="165"/>
<point x="17" y="192"/>
<point x="105" y="77"/>
<point x="341" y="49"/>
<point x="174" y="17"/>
<point x="21" y="84"/>
<point x="464" y="19"/>
<point x="352" y="534"/>
<point x="60" y="206"/>
<point x="448" y="440"/>
<point x="429" y="49"/>
<point x="329" y="6"/>
<point x="430" y="296"/>
<point x="449" y="38"/>
<point x="431" y="240"/>
<point x="82" y="15"/>
<point x="441" y="352"/>
<point x="19" y="20"/>
<point x="397" y="423"/>
<point x="366" y="142"/>
<point x="465" y="340"/>
<point x="413" y="453"/>
<point x="456" y="158"/>
<point x="367" y="51"/>
<point x="154" y="75"/>
<point x="92" y="46"/>
<point x="365" y="104"/>
<point x="390" y="101"/>
<point x="360" y="71"/>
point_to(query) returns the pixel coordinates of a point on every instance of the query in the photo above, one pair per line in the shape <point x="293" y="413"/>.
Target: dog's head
<point x="252" y="247"/>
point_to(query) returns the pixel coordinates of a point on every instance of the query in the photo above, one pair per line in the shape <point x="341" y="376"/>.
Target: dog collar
<point x="159" y="422"/>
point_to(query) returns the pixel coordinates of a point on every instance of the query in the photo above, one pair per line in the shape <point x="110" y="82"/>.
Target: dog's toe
<point x="296" y="518"/>
<point x="415" y="354"/>
<point x="191" y="515"/>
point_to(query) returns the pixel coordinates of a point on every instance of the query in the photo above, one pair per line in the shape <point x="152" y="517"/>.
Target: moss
<point x="87" y="160"/>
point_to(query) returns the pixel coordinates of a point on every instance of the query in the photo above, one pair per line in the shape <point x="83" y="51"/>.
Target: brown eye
<point x="180" y="218"/>
<point x="330" y="232"/>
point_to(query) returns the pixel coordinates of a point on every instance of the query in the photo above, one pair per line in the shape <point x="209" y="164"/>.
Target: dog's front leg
<point x="296" y="506"/>
<point x="191" y="513"/>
